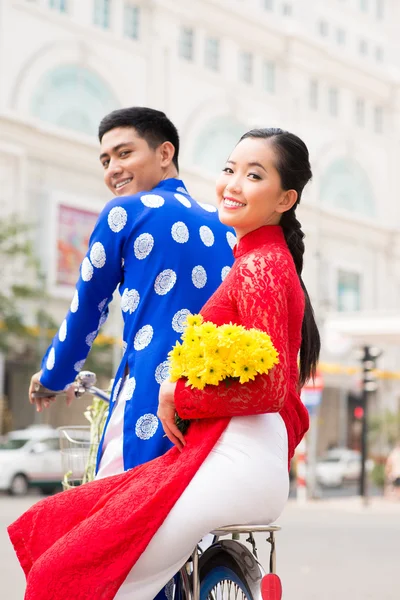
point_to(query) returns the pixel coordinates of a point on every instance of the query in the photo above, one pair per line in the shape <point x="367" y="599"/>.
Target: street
<point x="327" y="550"/>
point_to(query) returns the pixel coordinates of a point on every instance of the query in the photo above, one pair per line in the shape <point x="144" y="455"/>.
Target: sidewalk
<point x="352" y="504"/>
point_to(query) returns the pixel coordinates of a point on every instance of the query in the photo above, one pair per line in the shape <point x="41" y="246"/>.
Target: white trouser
<point x="243" y="480"/>
<point x="112" y="459"/>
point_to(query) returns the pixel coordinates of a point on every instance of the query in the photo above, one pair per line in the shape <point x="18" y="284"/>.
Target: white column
<point x="117" y="17"/>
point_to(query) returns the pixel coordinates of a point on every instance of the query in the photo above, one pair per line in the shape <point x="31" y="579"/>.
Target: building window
<point x="363" y="47"/>
<point x="364" y="5"/>
<point x="246" y="67"/>
<point x="379" y="53"/>
<point x="287" y="9"/>
<point x="323" y="28"/>
<point x="60" y="5"/>
<point x="380" y="9"/>
<point x="333" y="101"/>
<point x="186" y="43"/>
<point x="269" y="76"/>
<point x="313" y="94"/>
<point x="378" y="119"/>
<point x="348" y="291"/>
<point x="340" y="36"/>
<point x="131" y="21"/>
<point x="212" y="53"/>
<point x="102" y="13"/>
<point x="360" y="112"/>
<point x="269" y="4"/>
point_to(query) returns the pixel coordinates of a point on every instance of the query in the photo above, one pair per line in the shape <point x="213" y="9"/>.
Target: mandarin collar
<point x="173" y="184"/>
<point x="268" y="234"/>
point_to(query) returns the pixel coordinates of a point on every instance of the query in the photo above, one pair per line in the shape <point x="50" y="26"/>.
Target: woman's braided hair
<point x="294" y="169"/>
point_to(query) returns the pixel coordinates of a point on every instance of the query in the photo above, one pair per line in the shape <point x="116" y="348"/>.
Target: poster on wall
<point x="74" y="227"/>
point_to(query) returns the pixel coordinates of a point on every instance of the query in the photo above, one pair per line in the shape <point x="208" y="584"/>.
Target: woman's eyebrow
<point x="250" y="164"/>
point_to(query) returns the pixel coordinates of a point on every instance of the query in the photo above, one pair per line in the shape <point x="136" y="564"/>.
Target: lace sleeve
<point x="259" y="294"/>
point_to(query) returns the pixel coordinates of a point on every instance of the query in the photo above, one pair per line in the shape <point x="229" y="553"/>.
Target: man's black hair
<point x="150" y="124"/>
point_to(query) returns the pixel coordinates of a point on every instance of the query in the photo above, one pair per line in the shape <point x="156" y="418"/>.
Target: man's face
<point x="130" y="165"/>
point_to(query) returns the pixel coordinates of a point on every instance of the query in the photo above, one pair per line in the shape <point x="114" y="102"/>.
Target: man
<point x="166" y="252"/>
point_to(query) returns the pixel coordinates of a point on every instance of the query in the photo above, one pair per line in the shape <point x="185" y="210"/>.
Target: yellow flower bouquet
<point x="210" y="354"/>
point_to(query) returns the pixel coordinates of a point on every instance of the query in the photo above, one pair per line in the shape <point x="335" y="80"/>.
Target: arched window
<point x="215" y="143"/>
<point x="73" y="97"/>
<point x="345" y="186"/>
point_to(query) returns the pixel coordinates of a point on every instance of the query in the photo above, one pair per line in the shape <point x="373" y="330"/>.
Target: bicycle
<point x="226" y="570"/>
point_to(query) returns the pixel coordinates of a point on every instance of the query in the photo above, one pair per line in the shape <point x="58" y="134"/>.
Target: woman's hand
<point x="166" y="414"/>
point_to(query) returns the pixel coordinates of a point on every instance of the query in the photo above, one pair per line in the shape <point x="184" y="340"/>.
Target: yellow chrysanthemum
<point x="209" y="354"/>
<point x="193" y="320"/>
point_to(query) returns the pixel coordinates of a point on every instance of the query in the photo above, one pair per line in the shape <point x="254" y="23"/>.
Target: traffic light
<point x="358" y="413"/>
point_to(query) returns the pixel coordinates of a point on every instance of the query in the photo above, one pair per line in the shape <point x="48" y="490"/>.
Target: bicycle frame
<point x="246" y="559"/>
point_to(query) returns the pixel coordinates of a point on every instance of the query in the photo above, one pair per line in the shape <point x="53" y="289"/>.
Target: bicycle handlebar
<point x="84" y="382"/>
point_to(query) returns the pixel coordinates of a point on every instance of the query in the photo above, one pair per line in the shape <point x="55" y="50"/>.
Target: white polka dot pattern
<point x="183" y="200"/>
<point x="206" y="235"/>
<point x="62" y="332"/>
<point x="75" y="302"/>
<point x="143" y="245"/>
<point x="208" y="207"/>
<point x="78" y="366"/>
<point x="130" y="301"/>
<point x="182" y="190"/>
<point x="128" y="389"/>
<point x="199" y="277"/>
<point x="51" y="359"/>
<point x="146" y="426"/>
<point x="90" y="338"/>
<point x="98" y="255"/>
<point x="231" y="239"/>
<point x="152" y="200"/>
<point x="116" y="389"/>
<point x="117" y="218"/>
<point x="164" y="282"/>
<point x="103" y="319"/>
<point x="162" y="372"/>
<point x="86" y="269"/>
<point x="124" y="347"/>
<point x="179" y="232"/>
<point x="225" y="272"/>
<point x="143" y="337"/>
<point x="102" y="304"/>
<point x="179" y="320"/>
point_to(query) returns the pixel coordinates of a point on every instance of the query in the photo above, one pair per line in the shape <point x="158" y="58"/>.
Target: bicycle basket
<point x="78" y="455"/>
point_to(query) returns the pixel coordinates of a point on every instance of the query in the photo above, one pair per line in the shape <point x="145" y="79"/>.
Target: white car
<point x="30" y="458"/>
<point x="338" y="466"/>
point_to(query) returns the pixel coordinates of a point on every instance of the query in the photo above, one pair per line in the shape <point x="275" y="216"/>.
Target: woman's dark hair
<point x="293" y="166"/>
<point x="150" y="124"/>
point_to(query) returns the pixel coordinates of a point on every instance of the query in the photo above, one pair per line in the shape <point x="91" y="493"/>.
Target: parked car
<point x="30" y="458"/>
<point x="340" y="465"/>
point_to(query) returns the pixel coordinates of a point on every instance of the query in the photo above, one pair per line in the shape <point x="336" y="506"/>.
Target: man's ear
<point x="288" y="200"/>
<point x="167" y="153"/>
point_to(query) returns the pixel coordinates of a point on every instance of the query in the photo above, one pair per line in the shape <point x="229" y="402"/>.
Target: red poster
<point x="74" y="227"/>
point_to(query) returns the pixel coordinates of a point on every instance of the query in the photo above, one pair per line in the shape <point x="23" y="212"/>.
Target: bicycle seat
<point x="229" y="529"/>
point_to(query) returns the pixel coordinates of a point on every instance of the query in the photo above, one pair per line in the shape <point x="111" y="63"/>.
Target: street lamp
<point x="368" y="356"/>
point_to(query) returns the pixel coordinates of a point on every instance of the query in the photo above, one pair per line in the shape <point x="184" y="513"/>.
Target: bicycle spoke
<point x="226" y="590"/>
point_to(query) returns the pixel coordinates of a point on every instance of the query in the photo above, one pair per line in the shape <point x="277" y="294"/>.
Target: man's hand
<point x="166" y="414"/>
<point x="42" y="403"/>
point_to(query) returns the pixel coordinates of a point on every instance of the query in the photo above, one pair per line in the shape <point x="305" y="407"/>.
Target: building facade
<point x="329" y="72"/>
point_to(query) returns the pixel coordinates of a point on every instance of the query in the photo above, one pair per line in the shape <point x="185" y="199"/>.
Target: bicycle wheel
<point x="222" y="579"/>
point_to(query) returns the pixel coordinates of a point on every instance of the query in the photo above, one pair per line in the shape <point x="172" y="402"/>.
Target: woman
<point x="108" y="539"/>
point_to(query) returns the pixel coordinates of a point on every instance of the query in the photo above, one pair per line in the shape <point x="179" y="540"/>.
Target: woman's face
<point x="249" y="191"/>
